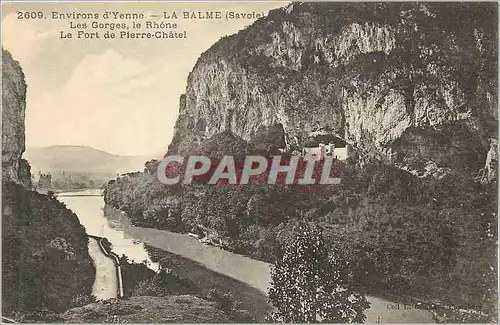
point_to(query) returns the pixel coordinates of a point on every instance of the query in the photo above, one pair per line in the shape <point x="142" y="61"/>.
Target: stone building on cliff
<point x="323" y="150"/>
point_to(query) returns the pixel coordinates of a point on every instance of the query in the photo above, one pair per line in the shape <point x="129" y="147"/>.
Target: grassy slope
<point x="170" y="309"/>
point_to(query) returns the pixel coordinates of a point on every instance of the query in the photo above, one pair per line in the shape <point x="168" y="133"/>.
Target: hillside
<point x="169" y="309"/>
<point x="45" y="260"/>
<point x="81" y="159"/>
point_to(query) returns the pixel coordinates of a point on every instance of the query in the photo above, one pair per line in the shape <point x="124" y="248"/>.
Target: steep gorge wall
<point x="45" y="260"/>
<point x="399" y="81"/>
<point x="13" y="113"/>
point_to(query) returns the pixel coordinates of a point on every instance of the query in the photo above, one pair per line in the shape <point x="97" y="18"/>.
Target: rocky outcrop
<point x="397" y="81"/>
<point x="490" y="172"/>
<point x="62" y="246"/>
<point x="13" y="112"/>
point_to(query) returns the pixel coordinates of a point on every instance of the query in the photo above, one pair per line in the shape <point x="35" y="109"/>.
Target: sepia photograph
<point x="249" y="162"/>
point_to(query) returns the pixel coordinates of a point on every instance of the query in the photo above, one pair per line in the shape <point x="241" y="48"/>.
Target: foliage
<point x="309" y="283"/>
<point x="460" y="316"/>
<point x="229" y="305"/>
<point x="225" y="301"/>
<point x="80" y="300"/>
<point x="165" y="283"/>
<point x="429" y="237"/>
<point x="133" y="275"/>
<point x="45" y="261"/>
<point x="145" y="200"/>
<point x="70" y="180"/>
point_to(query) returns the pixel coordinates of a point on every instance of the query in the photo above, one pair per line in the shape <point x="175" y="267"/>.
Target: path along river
<point x="207" y="266"/>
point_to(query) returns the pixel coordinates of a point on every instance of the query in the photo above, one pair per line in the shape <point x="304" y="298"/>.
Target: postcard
<point x="249" y="162"/>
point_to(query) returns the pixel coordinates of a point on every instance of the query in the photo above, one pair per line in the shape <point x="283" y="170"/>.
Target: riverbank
<point x="244" y="277"/>
<point x="248" y="279"/>
<point x="211" y="266"/>
<point x="143" y="281"/>
<point x="208" y="266"/>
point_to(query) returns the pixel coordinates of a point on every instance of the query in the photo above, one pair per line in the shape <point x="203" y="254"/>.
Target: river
<point x="207" y="266"/>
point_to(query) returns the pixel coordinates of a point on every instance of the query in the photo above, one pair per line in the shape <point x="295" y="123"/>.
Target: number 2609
<point x="30" y="15"/>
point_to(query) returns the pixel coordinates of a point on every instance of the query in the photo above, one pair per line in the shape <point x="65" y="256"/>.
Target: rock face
<point x="490" y="172"/>
<point x="398" y="81"/>
<point x="13" y="112"/>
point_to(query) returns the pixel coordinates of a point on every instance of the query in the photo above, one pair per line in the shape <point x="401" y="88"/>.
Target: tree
<point x="309" y="285"/>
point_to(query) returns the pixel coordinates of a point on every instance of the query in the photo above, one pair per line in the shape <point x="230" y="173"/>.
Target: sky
<point x="120" y="96"/>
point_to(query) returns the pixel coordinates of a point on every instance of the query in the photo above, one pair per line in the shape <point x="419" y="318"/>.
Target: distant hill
<point x="60" y="158"/>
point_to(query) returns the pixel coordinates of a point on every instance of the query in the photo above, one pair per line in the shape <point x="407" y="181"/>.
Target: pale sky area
<point x="120" y="96"/>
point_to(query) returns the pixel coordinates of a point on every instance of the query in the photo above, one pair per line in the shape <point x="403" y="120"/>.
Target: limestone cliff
<point x="13" y="112"/>
<point x="45" y="259"/>
<point x="407" y="83"/>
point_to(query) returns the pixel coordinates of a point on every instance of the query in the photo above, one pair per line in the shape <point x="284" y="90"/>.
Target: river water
<point x="207" y="266"/>
<point x="89" y="210"/>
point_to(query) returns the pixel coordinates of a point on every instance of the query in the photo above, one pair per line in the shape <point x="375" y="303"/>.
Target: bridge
<point x="8" y="320"/>
<point x="76" y="195"/>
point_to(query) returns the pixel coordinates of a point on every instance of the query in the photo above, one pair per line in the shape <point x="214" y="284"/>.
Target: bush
<point x="45" y="260"/>
<point x="165" y="283"/>
<point x="133" y="275"/>
<point x="225" y="301"/>
<point x="309" y="282"/>
<point x="80" y="300"/>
